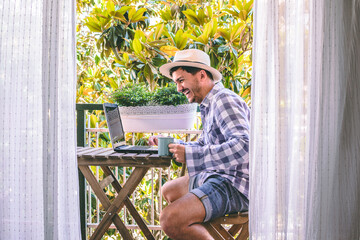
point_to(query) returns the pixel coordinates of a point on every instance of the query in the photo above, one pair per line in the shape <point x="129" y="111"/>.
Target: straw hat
<point x="191" y="58"/>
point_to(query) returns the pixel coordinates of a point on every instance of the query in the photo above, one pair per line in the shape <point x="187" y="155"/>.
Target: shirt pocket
<point x="210" y="133"/>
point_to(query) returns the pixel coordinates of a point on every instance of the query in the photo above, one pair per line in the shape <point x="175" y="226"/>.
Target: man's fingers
<point x="153" y="140"/>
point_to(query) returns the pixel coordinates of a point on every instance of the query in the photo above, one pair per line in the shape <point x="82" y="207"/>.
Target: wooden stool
<point x="239" y="222"/>
<point x="240" y="226"/>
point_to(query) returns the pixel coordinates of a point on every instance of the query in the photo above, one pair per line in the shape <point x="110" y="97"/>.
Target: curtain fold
<point x="304" y="167"/>
<point x="38" y="170"/>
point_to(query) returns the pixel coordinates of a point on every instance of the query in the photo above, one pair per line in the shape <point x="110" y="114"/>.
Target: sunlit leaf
<point x="93" y="24"/>
<point x="191" y="16"/>
<point x="93" y="121"/>
<point x="236" y="30"/>
<point x="248" y="6"/>
<point x="126" y="57"/>
<point x="140" y="35"/>
<point x="110" y="6"/>
<point x="137" y="46"/>
<point x="239" y="5"/>
<point x="131" y="13"/>
<point x="201" y="16"/>
<point x="243" y="15"/>
<point x="180" y="39"/>
<point x="124" y="9"/>
<point x="113" y="84"/>
<point x="166" y="14"/>
<point x="224" y="33"/>
<point x="158" y="31"/>
<point x="86" y="91"/>
<point x="209" y="12"/>
<point x="246" y="92"/>
<point x="138" y="15"/>
<point x="169" y="50"/>
<point x="232" y="12"/>
<point x="97" y="60"/>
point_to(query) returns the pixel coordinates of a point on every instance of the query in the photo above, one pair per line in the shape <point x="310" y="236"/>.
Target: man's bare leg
<point x="176" y="188"/>
<point x="181" y="218"/>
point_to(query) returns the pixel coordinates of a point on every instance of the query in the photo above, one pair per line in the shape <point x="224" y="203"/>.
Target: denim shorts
<point x="218" y="196"/>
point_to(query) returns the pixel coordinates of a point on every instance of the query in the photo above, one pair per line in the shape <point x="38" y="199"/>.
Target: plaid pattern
<point x="223" y="146"/>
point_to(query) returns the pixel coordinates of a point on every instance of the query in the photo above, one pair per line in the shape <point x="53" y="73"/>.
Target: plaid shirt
<point x="223" y="146"/>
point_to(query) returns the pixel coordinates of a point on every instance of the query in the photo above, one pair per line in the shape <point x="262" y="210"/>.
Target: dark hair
<point x="191" y="70"/>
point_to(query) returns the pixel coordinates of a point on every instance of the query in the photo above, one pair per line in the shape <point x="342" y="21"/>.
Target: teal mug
<point x="163" y="145"/>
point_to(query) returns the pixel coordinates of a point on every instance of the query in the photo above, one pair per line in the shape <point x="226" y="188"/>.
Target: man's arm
<point x="231" y="123"/>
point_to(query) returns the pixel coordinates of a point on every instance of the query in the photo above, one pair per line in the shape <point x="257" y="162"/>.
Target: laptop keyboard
<point x="138" y="148"/>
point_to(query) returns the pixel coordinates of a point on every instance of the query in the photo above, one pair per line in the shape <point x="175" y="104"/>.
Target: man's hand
<point x="153" y="140"/>
<point x="178" y="151"/>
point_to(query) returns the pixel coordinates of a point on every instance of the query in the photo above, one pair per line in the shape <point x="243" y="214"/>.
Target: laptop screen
<point x="113" y="119"/>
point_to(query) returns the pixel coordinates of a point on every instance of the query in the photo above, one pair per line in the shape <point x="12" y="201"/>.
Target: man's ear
<point x="202" y="74"/>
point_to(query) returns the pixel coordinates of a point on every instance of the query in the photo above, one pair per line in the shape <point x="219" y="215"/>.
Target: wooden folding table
<point x="105" y="157"/>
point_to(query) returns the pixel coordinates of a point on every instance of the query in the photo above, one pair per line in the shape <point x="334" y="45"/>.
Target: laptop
<point x="117" y="134"/>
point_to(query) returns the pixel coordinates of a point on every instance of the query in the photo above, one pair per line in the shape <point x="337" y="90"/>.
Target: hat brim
<point x="165" y="69"/>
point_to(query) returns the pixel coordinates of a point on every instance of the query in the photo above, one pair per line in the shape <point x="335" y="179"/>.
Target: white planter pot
<point x="155" y="118"/>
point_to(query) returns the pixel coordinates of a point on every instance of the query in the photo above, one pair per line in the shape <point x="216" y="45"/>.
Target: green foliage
<point x="169" y="96"/>
<point x="133" y="38"/>
<point x="132" y="95"/>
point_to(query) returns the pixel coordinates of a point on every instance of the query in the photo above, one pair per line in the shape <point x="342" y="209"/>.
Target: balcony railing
<point x="150" y="206"/>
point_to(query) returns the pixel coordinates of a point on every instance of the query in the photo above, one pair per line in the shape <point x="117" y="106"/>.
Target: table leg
<point x="129" y="187"/>
<point x="139" y="220"/>
<point x="104" y="200"/>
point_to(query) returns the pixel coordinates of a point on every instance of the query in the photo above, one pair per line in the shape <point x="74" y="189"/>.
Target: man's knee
<point x="166" y="191"/>
<point x="168" y="222"/>
<point x="175" y="189"/>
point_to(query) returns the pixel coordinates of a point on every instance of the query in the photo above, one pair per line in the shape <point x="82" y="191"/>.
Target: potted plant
<point x="145" y="111"/>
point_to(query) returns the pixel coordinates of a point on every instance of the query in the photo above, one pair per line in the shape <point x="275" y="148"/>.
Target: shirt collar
<point x="206" y="101"/>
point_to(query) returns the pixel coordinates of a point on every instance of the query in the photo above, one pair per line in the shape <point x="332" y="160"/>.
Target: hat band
<point x="191" y="62"/>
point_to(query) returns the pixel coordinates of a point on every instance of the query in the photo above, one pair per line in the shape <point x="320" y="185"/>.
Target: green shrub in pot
<point x="143" y="110"/>
<point x="169" y="96"/>
<point x="132" y="95"/>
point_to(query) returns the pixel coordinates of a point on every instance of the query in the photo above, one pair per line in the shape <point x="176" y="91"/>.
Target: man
<point x="218" y="163"/>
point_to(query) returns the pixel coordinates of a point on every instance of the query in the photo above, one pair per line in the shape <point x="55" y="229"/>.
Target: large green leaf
<point x="137" y="46"/>
<point x="166" y="14"/>
<point x="192" y="17"/>
<point x="93" y="24"/>
<point x="169" y="50"/>
<point x="158" y="31"/>
<point x="236" y="30"/>
<point x="113" y="84"/>
<point x="110" y="6"/>
<point x="93" y="121"/>
<point x="138" y="15"/>
<point x="225" y="33"/>
<point x="180" y="39"/>
<point x="140" y="35"/>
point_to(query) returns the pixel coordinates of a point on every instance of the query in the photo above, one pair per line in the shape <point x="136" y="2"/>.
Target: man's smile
<point x="186" y="92"/>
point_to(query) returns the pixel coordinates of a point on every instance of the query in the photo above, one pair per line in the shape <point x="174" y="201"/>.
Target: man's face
<point x="188" y="84"/>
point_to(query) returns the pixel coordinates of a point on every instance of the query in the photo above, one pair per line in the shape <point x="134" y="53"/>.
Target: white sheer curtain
<point x="38" y="170"/>
<point x="305" y="142"/>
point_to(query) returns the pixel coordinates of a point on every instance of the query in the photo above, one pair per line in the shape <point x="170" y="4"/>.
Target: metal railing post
<point x="80" y="122"/>
<point x="81" y="140"/>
